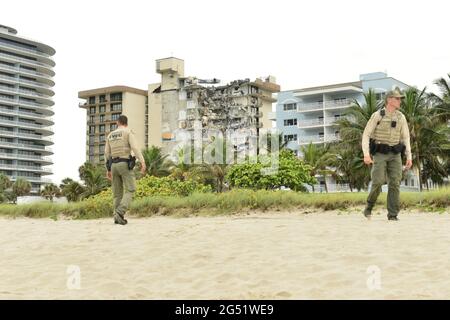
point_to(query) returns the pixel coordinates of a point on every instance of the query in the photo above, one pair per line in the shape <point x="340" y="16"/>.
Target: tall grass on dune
<point x="235" y="201"/>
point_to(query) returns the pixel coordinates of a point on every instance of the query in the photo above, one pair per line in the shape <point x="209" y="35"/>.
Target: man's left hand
<point x="408" y="164"/>
<point x="109" y="175"/>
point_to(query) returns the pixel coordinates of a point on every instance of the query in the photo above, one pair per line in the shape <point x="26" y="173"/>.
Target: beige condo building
<point x="103" y="108"/>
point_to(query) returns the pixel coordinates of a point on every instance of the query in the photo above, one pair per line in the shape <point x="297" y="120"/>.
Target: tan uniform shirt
<point x="120" y="143"/>
<point x="384" y="133"/>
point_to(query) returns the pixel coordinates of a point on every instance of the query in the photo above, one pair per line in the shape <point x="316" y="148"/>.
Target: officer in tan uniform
<point x="119" y="163"/>
<point x="385" y="137"/>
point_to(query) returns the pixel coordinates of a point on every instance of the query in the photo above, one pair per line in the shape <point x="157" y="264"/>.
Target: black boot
<point x="368" y="210"/>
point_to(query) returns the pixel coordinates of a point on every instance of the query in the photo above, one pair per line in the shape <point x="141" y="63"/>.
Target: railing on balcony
<point x="14" y="58"/>
<point x="308" y="139"/>
<point x="35" y="51"/>
<point x="337" y="103"/>
<point x="27" y="103"/>
<point x="27" y="146"/>
<point x="23" y="70"/>
<point x="310" y="122"/>
<point x="26" y="113"/>
<point x="33" y="179"/>
<point x="25" y="135"/>
<point x="27" y="92"/>
<point x="38" y="84"/>
<point x="31" y="168"/>
<point x="26" y="124"/>
<point x="309" y="106"/>
<point x="24" y="156"/>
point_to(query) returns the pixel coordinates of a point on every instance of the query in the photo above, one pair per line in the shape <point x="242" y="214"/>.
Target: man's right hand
<point x="368" y="160"/>
<point x="143" y="168"/>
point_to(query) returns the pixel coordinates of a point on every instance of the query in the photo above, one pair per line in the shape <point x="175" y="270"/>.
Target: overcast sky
<point x="104" y="43"/>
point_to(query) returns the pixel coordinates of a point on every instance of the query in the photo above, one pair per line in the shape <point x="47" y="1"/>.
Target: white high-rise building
<point x="26" y="108"/>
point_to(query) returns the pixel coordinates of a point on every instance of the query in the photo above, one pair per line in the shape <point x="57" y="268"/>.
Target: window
<point x="289" y="107"/>
<point x="102" y="138"/>
<point x="115" y="116"/>
<point x="102" y="118"/>
<point x="102" y="98"/>
<point x="92" y="110"/>
<point x="91" y="129"/>
<point x="101" y="128"/>
<point x="116" y="96"/>
<point x="102" y="108"/>
<point x="91" y="139"/>
<point x="290" y="122"/>
<point x="380" y="95"/>
<point x="101" y="148"/>
<point x="91" y="158"/>
<point x="91" y="100"/>
<point x="116" y="107"/>
<point x="113" y="126"/>
<point x="91" y="150"/>
<point x="290" y="137"/>
<point x="91" y="119"/>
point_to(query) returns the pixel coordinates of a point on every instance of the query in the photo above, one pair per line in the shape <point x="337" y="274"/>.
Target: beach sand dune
<point x="278" y="255"/>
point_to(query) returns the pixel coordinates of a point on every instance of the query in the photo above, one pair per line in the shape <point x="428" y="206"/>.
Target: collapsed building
<point x="180" y="105"/>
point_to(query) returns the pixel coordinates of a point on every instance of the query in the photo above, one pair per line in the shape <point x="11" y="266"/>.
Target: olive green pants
<point x="386" y="168"/>
<point x="123" y="187"/>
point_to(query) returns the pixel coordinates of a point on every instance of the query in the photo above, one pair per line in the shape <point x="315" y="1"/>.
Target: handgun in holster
<point x="131" y="162"/>
<point x="109" y="164"/>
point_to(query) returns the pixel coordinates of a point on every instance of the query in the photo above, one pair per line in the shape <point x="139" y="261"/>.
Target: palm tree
<point x="50" y="191"/>
<point x="355" y="119"/>
<point x="5" y="184"/>
<point x="71" y="189"/>
<point x="185" y="169"/>
<point x="442" y="104"/>
<point x="266" y="141"/>
<point x="157" y="164"/>
<point x="94" y="178"/>
<point x="20" y="187"/>
<point x="319" y="158"/>
<point x="428" y="133"/>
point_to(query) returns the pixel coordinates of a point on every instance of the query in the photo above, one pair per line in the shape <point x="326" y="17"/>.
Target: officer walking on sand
<point x="120" y="164"/>
<point x="386" y="137"/>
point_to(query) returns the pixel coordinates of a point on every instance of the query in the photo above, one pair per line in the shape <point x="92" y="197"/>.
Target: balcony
<point x="33" y="83"/>
<point x="26" y="124"/>
<point x="15" y="101"/>
<point x="304" y="140"/>
<point x="25" y="113"/>
<point x="24" y="157"/>
<point x="311" y="106"/>
<point x="26" y="61"/>
<point x="332" y="137"/>
<point x="27" y="72"/>
<point x="32" y="179"/>
<point x="338" y="103"/>
<point x="25" y="168"/>
<point x="26" y="92"/>
<point x="309" y="123"/>
<point x="26" y="146"/>
<point x="26" y="135"/>
<point x="29" y="50"/>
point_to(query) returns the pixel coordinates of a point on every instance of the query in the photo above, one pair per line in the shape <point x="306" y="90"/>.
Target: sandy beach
<point x="275" y="255"/>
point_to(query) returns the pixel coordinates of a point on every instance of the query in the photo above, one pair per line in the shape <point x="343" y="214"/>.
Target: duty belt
<point x="385" y="148"/>
<point x="116" y="160"/>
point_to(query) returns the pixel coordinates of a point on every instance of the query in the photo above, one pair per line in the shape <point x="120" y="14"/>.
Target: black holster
<point x="109" y="164"/>
<point x="131" y="162"/>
